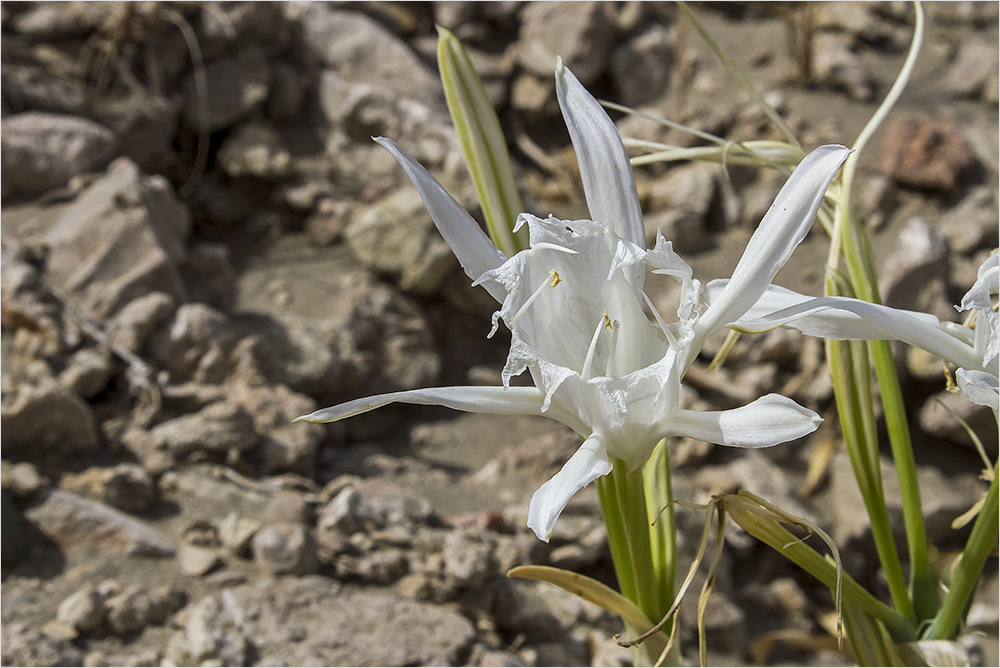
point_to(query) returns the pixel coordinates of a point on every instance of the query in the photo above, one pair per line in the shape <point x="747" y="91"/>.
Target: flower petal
<point x="980" y="388"/>
<point x="846" y="319"/>
<point x="604" y="165"/>
<point x="472" y="399"/>
<point x="770" y="420"/>
<point x="471" y="245"/>
<point x="784" y="226"/>
<point x="586" y="465"/>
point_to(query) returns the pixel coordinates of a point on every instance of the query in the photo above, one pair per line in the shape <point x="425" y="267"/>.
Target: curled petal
<point x="980" y="388"/>
<point x="473" y="399"/>
<point x="604" y="165"/>
<point x="784" y="226"/>
<point x="586" y="465"/>
<point x="770" y="420"/>
<point x="474" y="250"/>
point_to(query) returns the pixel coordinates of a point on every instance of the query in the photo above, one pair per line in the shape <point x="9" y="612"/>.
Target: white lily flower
<point x="576" y="309"/>
<point x="974" y="351"/>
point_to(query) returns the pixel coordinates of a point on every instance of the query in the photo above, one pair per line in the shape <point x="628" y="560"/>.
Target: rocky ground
<point x="201" y="242"/>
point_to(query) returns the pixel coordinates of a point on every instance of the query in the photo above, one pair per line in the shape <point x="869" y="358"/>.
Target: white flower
<point x="974" y="351"/>
<point x="577" y="312"/>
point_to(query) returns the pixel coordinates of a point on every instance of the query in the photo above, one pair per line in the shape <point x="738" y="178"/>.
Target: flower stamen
<point x="547" y="283"/>
<point x="589" y="361"/>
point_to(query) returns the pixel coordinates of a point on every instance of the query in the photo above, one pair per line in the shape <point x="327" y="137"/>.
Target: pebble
<point x="284" y="549"/>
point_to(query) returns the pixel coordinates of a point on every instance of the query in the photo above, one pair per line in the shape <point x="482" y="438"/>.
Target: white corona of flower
<point x="577" y="312"/>
<point x="976" y="352"/>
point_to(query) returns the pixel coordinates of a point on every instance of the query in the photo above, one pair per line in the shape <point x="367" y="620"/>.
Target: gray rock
<point x="287" y="506"/>
<point x="237" y="85"/>
<point x="212" y="635"/>
<point x="358" y="48"/>
<point x="83" y="610"/>
<point x="49" y="22"/>
<point x="379" y="567"/>
<point x="145" y="123"/>
<point x="937" y="419"/>
<point x="284" y="549"/>
<point x="974" y="70"/>
<point x="29" y="87"/>
<point x="255" y="149"/>
<point x="914" y="272"/>
<point x="132" y="326"/>
<point x="326" y="224"/>
<point x="973" y="223"/>
<point x="88" y="372"/>
<point x="41" y="150"/>
<point x="127" y="487"/>
<point x="836" y="64"/>
<point x="195" y="344"/>
<point x="135" y="608"/>
<point x="21" y="479"/>
<point x="396" y="236"/>
<point x="284" y="446"/>
<point x="235" y="532"/>
<point x="197" y="560"/>
<point x="120" y="239"/>
<point x="47" y="420"/>
<point x="71" y="521"/>
<point x="637" y="65"/>
<point x="24" y="644"/>
<point x="468" y="557"/>
<point x="214" y="430"/>
<point x="581" y="33"/>
<point x="352" y="511"/>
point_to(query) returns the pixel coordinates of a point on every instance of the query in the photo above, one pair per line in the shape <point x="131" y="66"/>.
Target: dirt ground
<point x="201" y="242"/>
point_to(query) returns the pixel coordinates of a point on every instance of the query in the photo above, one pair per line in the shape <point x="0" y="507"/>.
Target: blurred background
<point x="201" y="242"/>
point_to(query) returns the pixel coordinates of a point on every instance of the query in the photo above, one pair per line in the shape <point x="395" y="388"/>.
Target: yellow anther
<point x="555" y="278"/>
<point x="608" y="325"/>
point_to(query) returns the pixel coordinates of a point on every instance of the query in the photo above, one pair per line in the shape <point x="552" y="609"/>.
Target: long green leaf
<point x="483" y="143"/>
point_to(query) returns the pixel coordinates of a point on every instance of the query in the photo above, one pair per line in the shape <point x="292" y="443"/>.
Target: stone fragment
<point x="684" y="207"/>
<point x="913" y="274"/>
<point x="256" y="150"/>
<point x="197" y="560"/>
<point x="72" y="521"/>
<point x="580" y="33"/>
<point x="284" y="549"/>
<point x="132" y="326"/>
<point x="21" y="479"/>
<point x="637" y="66"/>
<point x="83" y="610"/>
<point x="352" y="511"/>
<point x="47" y="22"/>
<point x="213" y="431"/>
<point x="284" y="446"/>
<point x="195" y="344"/>
<point x="468" y="557"/>
<point x="927" y="154"/>
<point x="210" y="636"/>
<point x="120" y="239"/>
<point x="237" y="85"/>
<point x="127" y="487"/>
<point x="235" y="532"/>
<point x="326" y="224"/>
<point x="973" y="73"/>
<point x="379" y="567"/>
<point x="287" y="506"/>
<point x="39" y="421"/>
<point x="25" y="644"/>
<point x="937" y="418"/>
<point x="973" y="223"/>
<point x="836" y="64"/>
<point x="396" y="236"/>
<point x="88" y="372"/>
<point x="41" y="150"/>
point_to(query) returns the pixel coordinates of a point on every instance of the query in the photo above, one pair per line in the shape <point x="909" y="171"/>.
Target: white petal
<point x="467" y="240"/>
<point x="843" y="318"/>
<point x="586" y="465"/>
<point x="980" y="388"/>
<point x="604" y="165"/>
<point x="472" y="399"/>
<point x="784" y="226"/>
<point x="770" y="420"/>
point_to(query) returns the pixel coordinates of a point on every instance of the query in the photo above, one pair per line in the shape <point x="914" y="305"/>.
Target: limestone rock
<point x="237" y="85"/>
<point x="47" y="420"/>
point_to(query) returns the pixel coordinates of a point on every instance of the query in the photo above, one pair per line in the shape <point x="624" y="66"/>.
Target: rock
<point x="29" y="87"/>
<point x="14" y="542"/>
<point x="21" y="479"/>
<point x="235" y="532"/>
<point x="876" y="199"/>
<point x="83" y="610"/>
<point x="120" y="239"/>
<point x="380" y="567"/>
<point x="292" y="618"/>
<point x="914" y="272"/>
<point x="468" y="557"/>
<point x="145" y="123"/>
<point x="214" y="430"/>
<point x="132" y="326"/>
<point x="396" y="236"/>
<point x="41" y="150"/>
<point x="254" y="149"/>
<point x="209" y="275"/>
<point x="358" y="48"/>
<point x="580" y="33"/>
<point x="326" y="224"/>
<point x="945" y="498"/>
<point x="351" y="511"/>
<point x="236" y="85"/>
<point x="926" y="154"/>
<point x="195" y="344"/>
<point x="974" y="70"/>
<point x="210" y="636"/>
<point x="287" y="507"/>
<point x="284" y="549"/>
<point x="127" y="487"/>
<point x="24" y="644"/>
<point x="637" y="66"/>
<point x="289" y="91"/>
<point x="683" y="207"/>
<point x="88" y="372"/>
<point x="197" y="560"/>
<point x="972" y="224"/>
<point x="71" y="521"/>
<point x="45" y="420"/>
<point x="136" y="608"/>
<point x="48" y="22"/>
<point x="284" y="446"/>
<point x="836" y="64"/>
<point x="937" y="419"/>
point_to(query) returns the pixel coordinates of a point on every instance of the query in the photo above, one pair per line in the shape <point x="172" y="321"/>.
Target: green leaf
<point x="483" y="143"/>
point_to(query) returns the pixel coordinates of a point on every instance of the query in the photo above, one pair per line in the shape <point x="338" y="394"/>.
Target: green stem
<point x="982" y="541"/>
<point x="607" y="492"/>
<point x="663" y="531"/>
